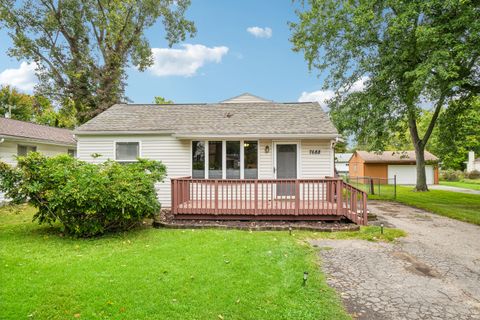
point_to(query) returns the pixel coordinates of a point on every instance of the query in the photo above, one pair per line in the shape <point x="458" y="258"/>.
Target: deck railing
<point x="268" y="199"/>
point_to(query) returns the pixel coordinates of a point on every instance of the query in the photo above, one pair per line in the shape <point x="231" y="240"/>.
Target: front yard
<point x="460" y="206"/>
<point x="163" y="274"/>
<point x="464" y="183"/>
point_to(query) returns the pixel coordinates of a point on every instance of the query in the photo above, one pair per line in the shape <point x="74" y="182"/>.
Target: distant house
<point x="473" y="164"/>
<point x="18" y="138"/>
<point x="245" y="156"/>
<point x="388" y="164"/>
<point x="341" y="163"/>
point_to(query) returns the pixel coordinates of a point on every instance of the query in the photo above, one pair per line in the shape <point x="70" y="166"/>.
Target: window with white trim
<point x="23" y="150"/>
<point x="127" y="151"/>
<point x="237" y="159"/>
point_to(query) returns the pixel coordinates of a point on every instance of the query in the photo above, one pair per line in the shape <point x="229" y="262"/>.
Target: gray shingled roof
<point x="214" y="119"/>
<point x="393" y="156"/>
<point x="27" y="130"/>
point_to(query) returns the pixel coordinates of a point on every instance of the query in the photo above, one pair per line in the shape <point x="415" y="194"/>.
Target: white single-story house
<point x="341" y="163"/>
<point x="238" y="144"/>
<point x="472" y="163"/>
<point x="17" y="138"/>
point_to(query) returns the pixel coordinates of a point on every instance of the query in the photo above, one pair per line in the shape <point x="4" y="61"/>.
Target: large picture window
<point x="215" y="160"/>
<point x="225" y="159"/>
<point x="250" y="159"/>
<point x="198" y="159"/>
<point x="127" y="151"/>
<point x="233" y="159"/>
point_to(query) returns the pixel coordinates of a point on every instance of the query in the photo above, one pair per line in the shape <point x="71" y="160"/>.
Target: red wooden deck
<point x="283" y="199"/>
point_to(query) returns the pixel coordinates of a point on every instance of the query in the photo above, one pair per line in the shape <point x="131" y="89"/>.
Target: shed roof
<point x="230" y="118"/>
<point x="393" y="156"/>
<point x="27" y="130"/>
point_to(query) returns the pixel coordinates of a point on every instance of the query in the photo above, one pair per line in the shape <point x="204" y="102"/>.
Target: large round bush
<point x="87" y="199"/>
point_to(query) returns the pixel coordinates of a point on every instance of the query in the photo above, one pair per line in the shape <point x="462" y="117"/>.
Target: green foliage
<point x="83" y="47"/>
<point x="459" y="132"/>
<point x="162" y="100"/>
<point x="36" y="108"/>
<point x="87" y="199"/>
<point x="451" y="175"/>
<point x="475" y="174"/>
<point x="408" y="55"/>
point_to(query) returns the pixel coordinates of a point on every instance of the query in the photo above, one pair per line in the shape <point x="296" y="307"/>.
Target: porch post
<point x="173" y="192"/>
<point x="339" y="197"/>
<point x="216" y="197"/>
<point x="297" y="197"/>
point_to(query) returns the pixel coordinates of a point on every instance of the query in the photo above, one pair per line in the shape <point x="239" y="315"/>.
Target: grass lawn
<point x="163" y="274"/>
<point x="464" y="183"/>
<point x="460" y="206"/>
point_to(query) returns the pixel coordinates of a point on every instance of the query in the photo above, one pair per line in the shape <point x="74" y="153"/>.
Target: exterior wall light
<point x="267" y="149"/>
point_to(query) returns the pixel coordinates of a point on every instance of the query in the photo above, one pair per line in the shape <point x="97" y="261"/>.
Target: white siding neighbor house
<point x="245" y="137"/>
<point x="472" y="163"/>
<point x="17" y="138"/>
<point x="341" y="163"/>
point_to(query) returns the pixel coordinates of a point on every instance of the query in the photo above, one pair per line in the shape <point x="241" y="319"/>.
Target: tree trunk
<point x="421" y="176"/>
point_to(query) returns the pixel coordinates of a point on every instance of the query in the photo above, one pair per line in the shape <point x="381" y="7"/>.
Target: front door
<point x="286" y="168"/>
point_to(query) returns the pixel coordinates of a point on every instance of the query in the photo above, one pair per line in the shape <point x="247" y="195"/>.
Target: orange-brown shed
<point x="377" y="164"/>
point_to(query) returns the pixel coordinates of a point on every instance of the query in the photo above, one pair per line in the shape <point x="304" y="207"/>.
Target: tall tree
<point x="36" y="108"/>
<point x="83" y="47"/>
<point x="161" y="100"/>
<point x="409" y="54"/>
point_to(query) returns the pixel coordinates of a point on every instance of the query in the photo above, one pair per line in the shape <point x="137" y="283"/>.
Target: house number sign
<point x="314" y="151"/>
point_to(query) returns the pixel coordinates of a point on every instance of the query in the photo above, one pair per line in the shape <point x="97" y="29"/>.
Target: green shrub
<point x="475" y="174"/>
<point x="87" y="199"/>
<point x="452" y="175"/>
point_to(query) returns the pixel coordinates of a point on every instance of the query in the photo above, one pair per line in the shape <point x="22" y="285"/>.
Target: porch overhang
<point x="207" y="136"/>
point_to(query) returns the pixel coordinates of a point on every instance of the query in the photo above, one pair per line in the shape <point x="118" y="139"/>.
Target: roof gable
<point x="246" y="98"/>
<point x="28" y="130"/>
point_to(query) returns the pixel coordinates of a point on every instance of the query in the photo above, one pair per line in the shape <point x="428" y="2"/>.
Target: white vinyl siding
<point x="9" y="149"/>
<point x="173" y="153"/>
<point x="176" y="155"/>
<point x="265" y="160"/>
<point x="316" y="165"/>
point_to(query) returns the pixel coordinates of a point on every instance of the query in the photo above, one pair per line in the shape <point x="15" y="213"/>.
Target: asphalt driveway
<point x="433" y="273"/>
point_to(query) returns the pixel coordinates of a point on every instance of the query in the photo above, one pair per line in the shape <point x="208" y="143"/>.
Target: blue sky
<point x="221" y="61"/>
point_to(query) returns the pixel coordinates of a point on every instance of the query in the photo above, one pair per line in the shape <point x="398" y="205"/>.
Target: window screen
<point x="24" y="150"/>
<point x="127" y="151"/>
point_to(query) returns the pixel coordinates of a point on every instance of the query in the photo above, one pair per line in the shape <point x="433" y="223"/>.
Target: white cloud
<point x="258" y="32"/>
<point x="23" y="78"/>
<point x="185" y="61"/>
<point x="321" y="96"/>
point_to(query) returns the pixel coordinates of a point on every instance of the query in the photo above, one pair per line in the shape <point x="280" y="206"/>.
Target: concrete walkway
<point x="453" y="189"/>
<point x="433" y="273"/>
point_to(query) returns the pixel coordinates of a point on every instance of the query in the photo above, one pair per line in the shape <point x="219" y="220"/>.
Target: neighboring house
<point x="17" y="138"/>
<point x="473" y="164"/>
<point x="388" y="164"/>
<point x="341" y="163"/>
<point x="241" y="144"/>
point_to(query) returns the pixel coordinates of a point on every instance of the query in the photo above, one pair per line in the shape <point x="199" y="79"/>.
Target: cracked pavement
<point x="433" y="273"/>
